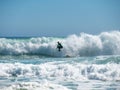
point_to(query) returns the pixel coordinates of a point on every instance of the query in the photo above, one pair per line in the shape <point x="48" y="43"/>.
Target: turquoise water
<point x="86" y="62"/>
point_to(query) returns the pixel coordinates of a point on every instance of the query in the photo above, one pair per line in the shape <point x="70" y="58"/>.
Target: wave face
<point x="106" y="43"/>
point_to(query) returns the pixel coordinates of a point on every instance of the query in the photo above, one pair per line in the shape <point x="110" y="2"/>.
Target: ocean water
<point x="86" y="62"/>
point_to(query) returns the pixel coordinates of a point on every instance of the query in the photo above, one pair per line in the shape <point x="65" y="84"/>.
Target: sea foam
<point x="44" y="85"/>
<point x="106" y="43"/>
<point x="63" y="72"/>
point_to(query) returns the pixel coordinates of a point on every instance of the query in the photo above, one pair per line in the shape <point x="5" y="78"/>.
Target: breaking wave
<point x="106" y="43"/>
<point x="63" y="71"/>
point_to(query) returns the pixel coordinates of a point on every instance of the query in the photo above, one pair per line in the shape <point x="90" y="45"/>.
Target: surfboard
<point x="67" y="56"/>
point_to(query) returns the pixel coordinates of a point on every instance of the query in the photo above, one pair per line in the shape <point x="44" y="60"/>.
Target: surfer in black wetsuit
<point x="59" y="46"/>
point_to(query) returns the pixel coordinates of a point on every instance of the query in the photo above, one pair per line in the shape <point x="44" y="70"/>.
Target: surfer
<point x="59" y="46"/>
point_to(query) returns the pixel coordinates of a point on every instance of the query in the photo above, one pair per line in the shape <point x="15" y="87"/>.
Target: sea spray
<point x="63" y="71"/>
<point x="106" y="43"/>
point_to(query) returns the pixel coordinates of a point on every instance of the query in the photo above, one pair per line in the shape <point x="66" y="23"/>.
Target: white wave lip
<point x="106" y="43"/>
<point x="62" y="72"/>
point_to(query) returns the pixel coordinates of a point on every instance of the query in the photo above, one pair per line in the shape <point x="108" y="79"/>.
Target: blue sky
<point x="58" y="17"/>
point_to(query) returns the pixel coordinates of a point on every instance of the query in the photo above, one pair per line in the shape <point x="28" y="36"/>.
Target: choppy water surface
<point x="48" y="73"/>
<point x="86" y="62"/>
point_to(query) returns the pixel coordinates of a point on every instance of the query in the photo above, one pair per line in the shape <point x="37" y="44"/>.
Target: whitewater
<point x="86" y="62"/>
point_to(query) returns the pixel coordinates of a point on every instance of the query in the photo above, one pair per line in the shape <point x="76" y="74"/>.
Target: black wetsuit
<point x="59" y="46"/>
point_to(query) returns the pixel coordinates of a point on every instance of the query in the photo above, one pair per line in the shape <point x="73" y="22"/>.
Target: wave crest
<point x="106" y="43"/>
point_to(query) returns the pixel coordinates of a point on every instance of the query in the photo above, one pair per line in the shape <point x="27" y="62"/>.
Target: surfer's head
<point x="58" y="42"/>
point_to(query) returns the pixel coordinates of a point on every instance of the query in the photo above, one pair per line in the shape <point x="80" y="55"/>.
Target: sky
<point x="25" y="18"/>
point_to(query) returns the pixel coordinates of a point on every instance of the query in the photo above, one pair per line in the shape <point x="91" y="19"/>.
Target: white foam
<point x="35" y="86"/>
<point x="106" y="43"/>
<point x="75" y="71"/>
